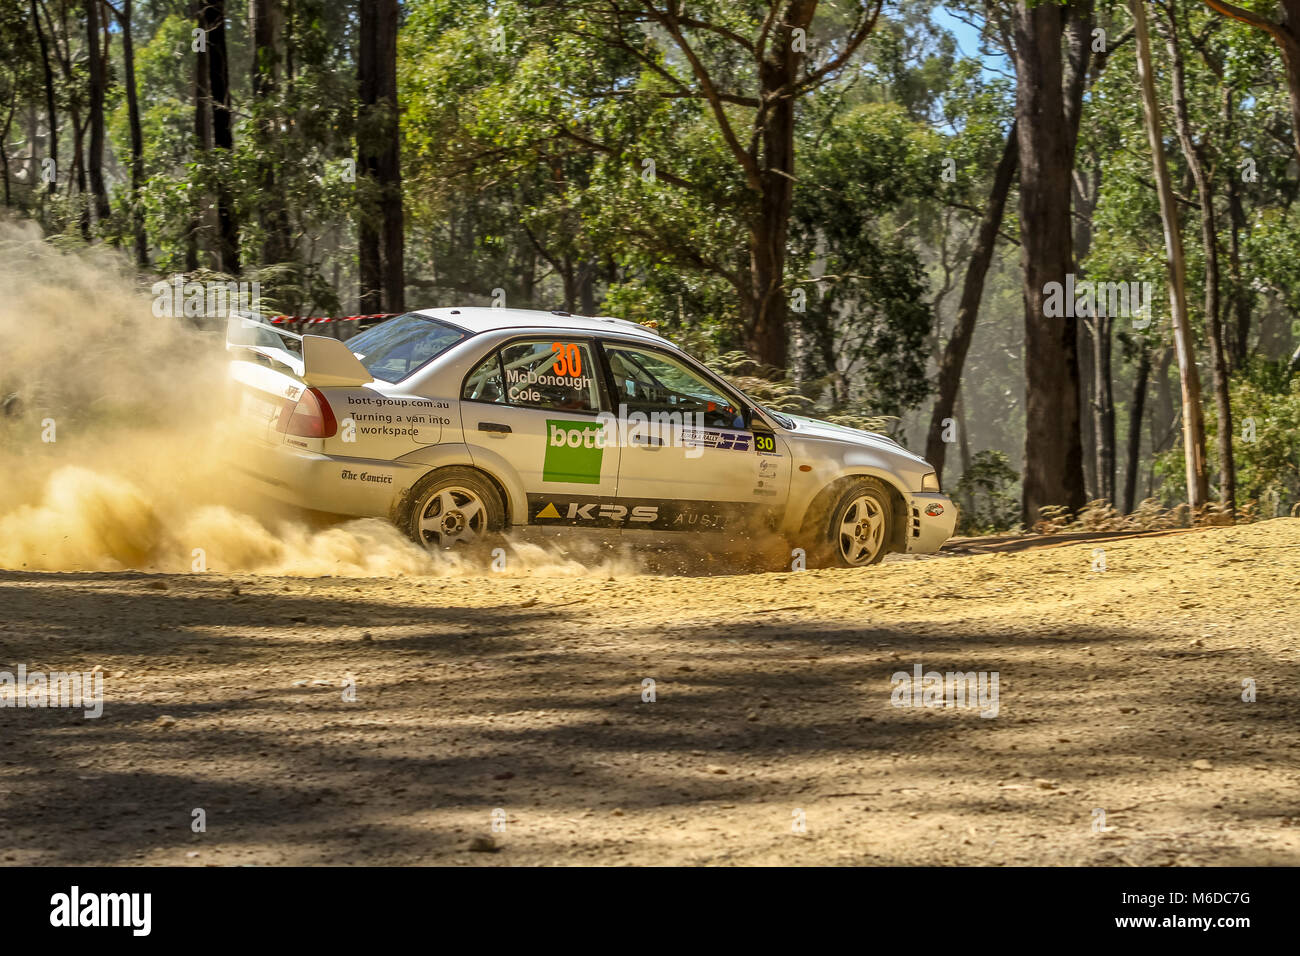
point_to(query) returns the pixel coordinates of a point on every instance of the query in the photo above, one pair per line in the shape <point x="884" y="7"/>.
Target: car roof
<point x="478" y="319"/>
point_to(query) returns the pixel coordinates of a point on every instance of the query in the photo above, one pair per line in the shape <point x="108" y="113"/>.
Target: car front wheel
<point x="851" y="527"/>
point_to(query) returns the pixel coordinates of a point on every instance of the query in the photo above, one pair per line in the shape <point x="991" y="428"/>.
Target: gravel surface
<point x="499" y="718"/>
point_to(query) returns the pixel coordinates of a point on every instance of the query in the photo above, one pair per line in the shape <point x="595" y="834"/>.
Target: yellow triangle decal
<point x="548" y="512"/>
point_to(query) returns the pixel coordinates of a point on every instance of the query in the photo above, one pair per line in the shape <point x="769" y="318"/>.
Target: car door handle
<point x="647" y="442"/>
<point x="493" y="427"/>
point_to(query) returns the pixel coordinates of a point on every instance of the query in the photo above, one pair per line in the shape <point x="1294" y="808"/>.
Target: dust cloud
<point x="113" y="427"/>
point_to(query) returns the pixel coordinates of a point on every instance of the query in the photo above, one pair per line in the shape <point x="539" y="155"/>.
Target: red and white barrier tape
<point x="312" y="320"/>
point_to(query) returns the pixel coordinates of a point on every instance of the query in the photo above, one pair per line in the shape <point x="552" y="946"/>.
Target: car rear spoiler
<point x="328" y="361"/>
<point x="320" y="361"/>
<point x="248" y="332"/>
<point x="313" y="359"/>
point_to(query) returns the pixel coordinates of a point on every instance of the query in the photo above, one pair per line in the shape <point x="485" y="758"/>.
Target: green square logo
<point x="574" y="451"/>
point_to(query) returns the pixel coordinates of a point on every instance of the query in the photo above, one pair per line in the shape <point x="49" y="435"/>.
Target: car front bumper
<point x="933" y="518"/>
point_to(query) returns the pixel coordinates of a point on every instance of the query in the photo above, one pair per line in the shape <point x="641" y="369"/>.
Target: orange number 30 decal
<point x="568" y="359"/>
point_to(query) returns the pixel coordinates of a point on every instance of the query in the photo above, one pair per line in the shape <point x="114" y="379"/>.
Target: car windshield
<point x="394" y="349"/>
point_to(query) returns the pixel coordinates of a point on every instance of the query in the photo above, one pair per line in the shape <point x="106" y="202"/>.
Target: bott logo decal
<point x="574" y="452"/>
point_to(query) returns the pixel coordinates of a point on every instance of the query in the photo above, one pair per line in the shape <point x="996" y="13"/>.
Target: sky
<point x="968" y="40"/>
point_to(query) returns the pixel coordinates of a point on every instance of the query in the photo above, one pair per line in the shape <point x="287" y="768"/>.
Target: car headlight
<point x="930" y="482"/>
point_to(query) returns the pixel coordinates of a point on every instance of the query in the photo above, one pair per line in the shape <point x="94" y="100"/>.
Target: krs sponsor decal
<point x="596" y="512"/>
<point x="574" y="452"/>
<point x="641" y="515"/>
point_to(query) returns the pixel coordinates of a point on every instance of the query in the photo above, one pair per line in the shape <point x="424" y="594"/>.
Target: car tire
<point x="453" y="508"/>
<point x="850" y="525"/>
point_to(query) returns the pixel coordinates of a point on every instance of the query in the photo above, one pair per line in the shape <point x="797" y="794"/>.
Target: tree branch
<point x="863" y="31"/>
<point x="719" y="30"/>
<point x="688" y="95"/>
<point x="1245" y="16"/>
<point x="612" y="151"/>
<point x="668" y="20"/>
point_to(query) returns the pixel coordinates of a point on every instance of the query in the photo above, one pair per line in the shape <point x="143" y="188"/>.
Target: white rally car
<point x="457" y="424"/>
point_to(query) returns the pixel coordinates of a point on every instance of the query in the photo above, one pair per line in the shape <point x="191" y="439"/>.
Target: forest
<point x="1052" y="246"/>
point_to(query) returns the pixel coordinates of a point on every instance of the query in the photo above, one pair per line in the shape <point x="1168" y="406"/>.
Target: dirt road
<point x="772" y="737"/>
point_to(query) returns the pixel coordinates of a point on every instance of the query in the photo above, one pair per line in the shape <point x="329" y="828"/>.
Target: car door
<point x="691" y="450"/>
<point x="532" y="405"/>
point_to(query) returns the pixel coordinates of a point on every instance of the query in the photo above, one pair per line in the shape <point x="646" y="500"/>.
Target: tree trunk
<point x="1078" y="55"/>
<point x="95" y="67"/>
<point x="1288" y="39"/>
<point x="1096" y="391"/>
<point x="963" y="439"/>
<point x="1241" y="297"/>
<point x="1193" y="424"/>
<point x="1238" y="340"/>
<point x="1053" y="468"/>
<point x="198" y="236"/>
<point x="4" y="142"/>
<point x="52" y="139"/>
<point x="1194" y="153"/>
<point x="214" y="14"/>
<point x="267" y="29"/>
<point x="820" y="329"/>
<point x="569" y="280"/>
<point x="1086" y="350"/>
<point x="1164" y="410"/>
<point x="767" y="335"/>
<point x="1104" y="408"/>
<point x="587" y="287"/>
<point x="79" y="170"/>
<point x="954" y="354"/>
<point x="1135" y="431"/>
<point x="381" y="252"/>
<point x="137" y="139"/>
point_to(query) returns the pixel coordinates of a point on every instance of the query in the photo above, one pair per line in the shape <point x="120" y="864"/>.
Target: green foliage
<point x="987" y="495"/>
<point x="865" y="291"/>
<point x="554" y="151"/>
<point x="568" y="123"/>
<point x="1266" y="416"/>
<point x="1266" y="407"/>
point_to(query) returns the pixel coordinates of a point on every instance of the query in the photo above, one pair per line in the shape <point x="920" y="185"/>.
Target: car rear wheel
<point x="851" y="525"/>
<point x="454" y="508"/>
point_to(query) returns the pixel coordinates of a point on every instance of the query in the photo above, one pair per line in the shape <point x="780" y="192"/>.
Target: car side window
<point x="556" y="374"/>
<point x="650" y="381"/>
<point x="485" y="383"/>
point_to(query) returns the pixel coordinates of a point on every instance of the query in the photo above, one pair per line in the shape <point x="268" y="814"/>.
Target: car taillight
<point x="311" y="417"/>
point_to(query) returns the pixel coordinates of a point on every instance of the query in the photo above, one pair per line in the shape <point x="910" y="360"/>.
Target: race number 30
<point x="568" y="359"/>
<point x="765" y="443"/>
